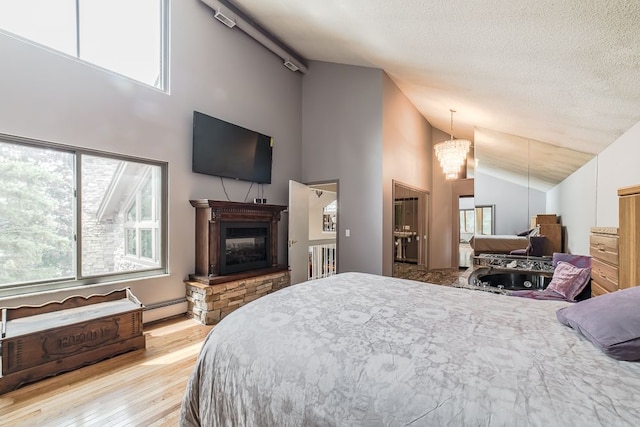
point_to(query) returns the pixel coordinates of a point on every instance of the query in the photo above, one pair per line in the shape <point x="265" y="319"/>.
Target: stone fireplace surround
<point x="211" y="296"/>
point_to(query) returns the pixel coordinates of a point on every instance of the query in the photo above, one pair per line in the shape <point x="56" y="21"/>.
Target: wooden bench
<point x="41" y="341"/>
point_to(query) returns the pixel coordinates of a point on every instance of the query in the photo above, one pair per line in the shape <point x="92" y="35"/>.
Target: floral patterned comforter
<point x="363" y="350"/>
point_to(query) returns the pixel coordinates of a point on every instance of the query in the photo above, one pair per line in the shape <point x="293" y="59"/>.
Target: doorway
<point x="313" y="230"/>
<point x="410" y="230"/>
<point x="473" y="220"/>
<point x="466" y="224"/>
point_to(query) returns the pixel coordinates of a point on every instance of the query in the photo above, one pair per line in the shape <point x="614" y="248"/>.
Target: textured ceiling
<point x="563" y="72"/>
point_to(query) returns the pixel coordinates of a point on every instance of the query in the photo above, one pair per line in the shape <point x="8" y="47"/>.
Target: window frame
<point x="141" y="224"/>
<point x="43" y="286"/>
<point x="464" y="220"/>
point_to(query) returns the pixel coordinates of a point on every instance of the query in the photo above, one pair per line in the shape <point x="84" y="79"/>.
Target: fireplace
<point x="244" y="246"/>
<point x="235" y="239"/>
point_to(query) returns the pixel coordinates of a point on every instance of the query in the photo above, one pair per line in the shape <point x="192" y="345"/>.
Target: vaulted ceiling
<point x="566" y="73"/>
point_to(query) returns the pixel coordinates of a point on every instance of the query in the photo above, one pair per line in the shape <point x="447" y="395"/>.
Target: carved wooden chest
<point x="60" y="336"/>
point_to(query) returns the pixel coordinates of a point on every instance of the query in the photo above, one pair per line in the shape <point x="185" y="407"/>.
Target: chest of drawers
<point x="603" y="248"/>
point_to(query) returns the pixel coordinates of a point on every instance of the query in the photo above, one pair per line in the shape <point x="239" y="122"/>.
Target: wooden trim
<point x="605" y="230"/>
<point x="629" y="191"/>
<point x="209" y="215"/>
<point x="70" y="302"/>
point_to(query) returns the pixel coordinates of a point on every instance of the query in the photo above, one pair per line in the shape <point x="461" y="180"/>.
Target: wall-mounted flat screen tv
<point x="223" y="149"/>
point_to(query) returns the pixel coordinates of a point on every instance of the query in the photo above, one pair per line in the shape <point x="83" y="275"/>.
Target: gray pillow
<point x="611" y="322"/>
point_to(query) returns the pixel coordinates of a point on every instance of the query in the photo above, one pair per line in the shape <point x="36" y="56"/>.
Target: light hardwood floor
<point x="141" y="388"/>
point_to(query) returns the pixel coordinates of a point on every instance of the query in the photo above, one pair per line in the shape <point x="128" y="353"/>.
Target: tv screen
<point x="223" y="149"/>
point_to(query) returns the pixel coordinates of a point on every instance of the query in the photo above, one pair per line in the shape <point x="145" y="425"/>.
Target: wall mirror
<point x="514" y="174"/>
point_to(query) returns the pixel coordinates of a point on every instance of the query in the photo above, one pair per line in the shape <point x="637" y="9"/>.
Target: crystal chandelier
<point x="452" y="154"/>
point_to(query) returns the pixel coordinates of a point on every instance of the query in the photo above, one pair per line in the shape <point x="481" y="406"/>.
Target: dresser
<point x="551" y="229"/>
<point x="629" y="223"/>
<point x="603" y="248"/>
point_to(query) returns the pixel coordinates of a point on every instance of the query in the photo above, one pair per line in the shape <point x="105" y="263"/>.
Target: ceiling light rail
<point x="232" y="16"/>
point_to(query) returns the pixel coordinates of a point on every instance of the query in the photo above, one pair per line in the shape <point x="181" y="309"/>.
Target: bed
<point x="357" y="349"/>
<point x="497" y="243"/>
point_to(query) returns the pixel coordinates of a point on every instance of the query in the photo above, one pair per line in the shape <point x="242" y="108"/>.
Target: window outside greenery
<point x="124" y="36"/>
<point x="36" y="214"/>
<point x="48" y="238"/>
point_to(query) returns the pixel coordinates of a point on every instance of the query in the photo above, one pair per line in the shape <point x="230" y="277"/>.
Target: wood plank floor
<point x="141" y="388"/>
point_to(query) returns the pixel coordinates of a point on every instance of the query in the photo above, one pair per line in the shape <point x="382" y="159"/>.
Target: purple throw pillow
<point x="611" y="322"/>
<point x="569" y="280"/>
<point x="582" y="261"/>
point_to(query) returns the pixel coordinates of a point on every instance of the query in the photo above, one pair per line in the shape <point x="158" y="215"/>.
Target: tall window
<point x="142" y="221"/>
<point x="467" y="220"/>
<point x="52" y="235"/>
<point x="124" y="36"/>
<point x="485" y="220"/>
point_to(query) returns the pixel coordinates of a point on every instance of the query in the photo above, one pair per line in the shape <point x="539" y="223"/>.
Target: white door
<point x="298" y="232"/>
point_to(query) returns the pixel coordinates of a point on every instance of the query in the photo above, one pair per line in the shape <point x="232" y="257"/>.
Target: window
<point x="485" y="219"/>
<point x="52" y="236"/>
<point x="124" y="36"/>
<point x="329" y="216"/>
<point x="143" y="223"/>
<point x="467" y="220"/>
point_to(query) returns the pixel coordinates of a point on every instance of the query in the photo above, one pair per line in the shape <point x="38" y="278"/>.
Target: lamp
<point x="452" y="153"/>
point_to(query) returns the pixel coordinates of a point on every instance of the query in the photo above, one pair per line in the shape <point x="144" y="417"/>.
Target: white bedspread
<point x="364" y="350"/>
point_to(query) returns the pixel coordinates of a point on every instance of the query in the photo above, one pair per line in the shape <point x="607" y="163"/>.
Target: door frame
<point x="460" y="188"/>
<point x="423" y="223"/>
<point x="336" y="182"/>
<point x="319" y="185"/>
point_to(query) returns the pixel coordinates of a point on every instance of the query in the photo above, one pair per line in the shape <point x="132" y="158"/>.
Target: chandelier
<point x="452" y="154"/>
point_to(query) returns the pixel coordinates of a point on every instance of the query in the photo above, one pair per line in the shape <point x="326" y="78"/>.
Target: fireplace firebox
<point x="235" y="239"/>
<point x="244" y="246"/>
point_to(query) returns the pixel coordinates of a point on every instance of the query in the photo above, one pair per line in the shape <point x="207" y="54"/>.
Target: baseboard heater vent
<point x="165" y="304"/>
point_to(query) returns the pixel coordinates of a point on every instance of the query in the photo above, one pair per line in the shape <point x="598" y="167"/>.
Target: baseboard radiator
<point x="164" y="309"/>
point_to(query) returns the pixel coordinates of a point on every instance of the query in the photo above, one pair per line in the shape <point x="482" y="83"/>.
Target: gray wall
<point x="360" y="129"/>
<point x="514" y="204"/>
<point x="213" y="69"/>
<point x="342" y="140"/>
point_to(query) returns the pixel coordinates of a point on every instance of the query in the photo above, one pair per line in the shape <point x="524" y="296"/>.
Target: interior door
<point x="298" y="232"/>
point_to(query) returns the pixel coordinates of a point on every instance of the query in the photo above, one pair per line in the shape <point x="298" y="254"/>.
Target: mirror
<point x="514" y="174"/>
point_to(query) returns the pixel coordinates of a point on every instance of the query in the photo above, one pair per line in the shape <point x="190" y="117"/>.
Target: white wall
<point x="213" y="69"/>
<point x="574" y="199"/>
<point x="617" y="167"/>
<point x="589" y="197"/>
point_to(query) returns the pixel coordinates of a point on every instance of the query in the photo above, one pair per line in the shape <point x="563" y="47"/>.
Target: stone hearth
<point x="208" y="304"/>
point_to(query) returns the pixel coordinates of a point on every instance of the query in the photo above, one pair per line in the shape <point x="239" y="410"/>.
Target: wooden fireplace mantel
<point x="211" y="213"/>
